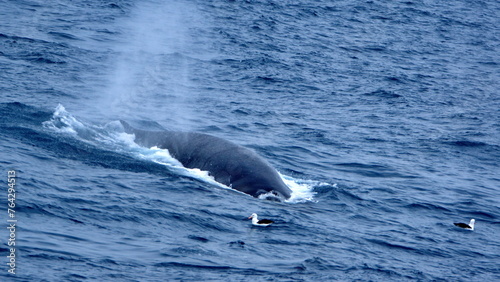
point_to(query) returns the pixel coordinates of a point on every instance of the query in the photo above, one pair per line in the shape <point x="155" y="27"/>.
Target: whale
<point x="233" y="165"/>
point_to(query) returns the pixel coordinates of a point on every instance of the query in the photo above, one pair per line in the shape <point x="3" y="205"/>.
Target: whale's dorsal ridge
<point x="229" y="163"/>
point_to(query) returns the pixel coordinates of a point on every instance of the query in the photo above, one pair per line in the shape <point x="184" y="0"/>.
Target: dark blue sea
<point x="383" y="117"/>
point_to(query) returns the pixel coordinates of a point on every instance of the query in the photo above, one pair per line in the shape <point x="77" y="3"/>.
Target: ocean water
<point x="382" y="116"/>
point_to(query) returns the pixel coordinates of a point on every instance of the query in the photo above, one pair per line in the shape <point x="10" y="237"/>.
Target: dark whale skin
<point x="228" y="163"/>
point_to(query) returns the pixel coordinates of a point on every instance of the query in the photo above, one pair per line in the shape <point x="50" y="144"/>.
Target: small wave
<point x="383" y="94"/>
<point x="426" y="206"/>
<point x="392" y="245"/>
<point x="372" y="170"/>
<point x="56" y="256"/>
<point x="63" y="35"/>
<point x="198" y="238"/>
<point x="39" y="58"/>
<point x="466" y="143"/>
<point x="319" y="264"/>
<point x="189" y="265"/>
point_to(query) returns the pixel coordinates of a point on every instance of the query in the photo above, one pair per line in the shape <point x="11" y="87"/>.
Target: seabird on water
<point x="262" y="222"/>
<point x="469" y="226"/>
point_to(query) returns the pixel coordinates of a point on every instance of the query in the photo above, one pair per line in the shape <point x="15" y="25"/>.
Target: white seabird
<point x="262" y="222"/>
<point x="469" y="226"/>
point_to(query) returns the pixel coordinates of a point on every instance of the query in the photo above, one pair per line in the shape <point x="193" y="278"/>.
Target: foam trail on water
<point x="108" y="135"/>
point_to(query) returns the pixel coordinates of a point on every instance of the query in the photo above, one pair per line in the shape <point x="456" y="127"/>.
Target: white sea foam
<point x="302" y="189"/>
<point x="62" y="122"/>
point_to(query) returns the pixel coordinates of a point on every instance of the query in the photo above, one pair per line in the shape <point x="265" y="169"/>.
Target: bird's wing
<point x="265" y="221"/>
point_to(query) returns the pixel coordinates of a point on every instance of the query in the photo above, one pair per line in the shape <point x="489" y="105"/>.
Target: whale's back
<point x="229" y="163"/>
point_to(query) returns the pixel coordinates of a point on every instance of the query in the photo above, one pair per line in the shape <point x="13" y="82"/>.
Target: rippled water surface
<point x="382" y="116"/>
